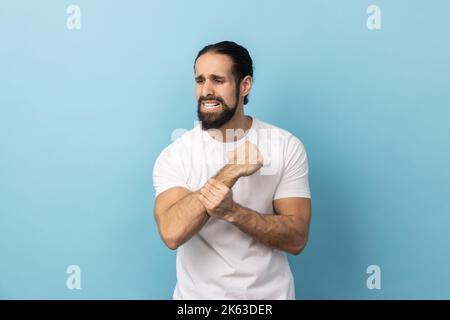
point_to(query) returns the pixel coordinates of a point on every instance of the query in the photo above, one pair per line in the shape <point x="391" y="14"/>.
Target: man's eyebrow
<point x="215" y="76"/>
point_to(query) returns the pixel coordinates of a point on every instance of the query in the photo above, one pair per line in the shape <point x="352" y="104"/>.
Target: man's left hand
<point x="217" y="198"/>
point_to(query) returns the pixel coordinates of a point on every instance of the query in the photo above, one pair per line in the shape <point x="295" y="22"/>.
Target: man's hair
<point x="242" y="62"/>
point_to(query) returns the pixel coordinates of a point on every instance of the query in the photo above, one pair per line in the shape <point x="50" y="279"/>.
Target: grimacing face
<point x="215" y="90"/>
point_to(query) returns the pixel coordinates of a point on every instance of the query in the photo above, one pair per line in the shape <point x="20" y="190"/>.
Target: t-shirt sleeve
<point x="168" y="171"/>
<point x="294" y="179"/>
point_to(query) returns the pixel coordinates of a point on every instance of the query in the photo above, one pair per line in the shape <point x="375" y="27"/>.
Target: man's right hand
<point x="246" y="159"/>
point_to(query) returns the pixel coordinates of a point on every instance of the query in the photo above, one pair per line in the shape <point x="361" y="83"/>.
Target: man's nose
<point x="207" y="89"/>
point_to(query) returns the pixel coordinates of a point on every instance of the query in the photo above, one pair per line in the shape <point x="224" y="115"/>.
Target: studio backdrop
<point x="92" y="91"/>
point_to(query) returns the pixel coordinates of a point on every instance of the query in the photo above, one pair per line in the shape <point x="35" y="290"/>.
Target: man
<point x="232" y="194"/>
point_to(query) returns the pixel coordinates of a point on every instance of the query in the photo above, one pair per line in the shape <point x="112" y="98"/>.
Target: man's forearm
<point x="187" y="216"/>
<point x="228" y="175"/>
<point x="181" y="220"/>
<point x="276" y="231"/>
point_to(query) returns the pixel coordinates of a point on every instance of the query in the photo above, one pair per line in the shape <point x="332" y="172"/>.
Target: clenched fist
<point x="246" y="158"/>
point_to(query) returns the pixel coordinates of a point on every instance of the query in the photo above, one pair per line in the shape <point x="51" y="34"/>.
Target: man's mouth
<point x="211" y="105"/>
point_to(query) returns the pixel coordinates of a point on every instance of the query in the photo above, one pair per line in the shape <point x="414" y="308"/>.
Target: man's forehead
<point x="213" y="63"/>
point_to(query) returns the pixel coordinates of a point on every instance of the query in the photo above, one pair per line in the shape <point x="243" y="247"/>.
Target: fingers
<point x="217" y="185"/>
<point x="230" y="156"/>
<point x="205" y="201"/>
<point x="246" y="153"/>
<point x="208" y="193"/>
<point x="213" y="193"/>
<point x="254" y="154"/>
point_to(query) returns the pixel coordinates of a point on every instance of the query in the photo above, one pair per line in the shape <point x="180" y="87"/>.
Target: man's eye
<point x="219" y="81"/>
<point x="199" y="81"/>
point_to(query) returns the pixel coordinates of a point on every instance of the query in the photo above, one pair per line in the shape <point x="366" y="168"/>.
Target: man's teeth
<point x="211" y="105"/>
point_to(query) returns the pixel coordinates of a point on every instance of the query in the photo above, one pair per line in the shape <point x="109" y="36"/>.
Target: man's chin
<point x="215" y="120"/>
<point x="206" y="125"/>
<point x="211" y="117"/>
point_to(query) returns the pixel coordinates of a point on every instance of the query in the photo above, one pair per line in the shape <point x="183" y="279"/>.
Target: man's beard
<point x="214" y="120"/>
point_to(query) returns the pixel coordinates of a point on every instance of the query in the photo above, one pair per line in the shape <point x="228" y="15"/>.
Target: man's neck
<point x="235" y="129"/>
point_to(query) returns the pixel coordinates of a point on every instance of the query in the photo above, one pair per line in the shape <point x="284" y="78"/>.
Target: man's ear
<point x="246" y="85"/>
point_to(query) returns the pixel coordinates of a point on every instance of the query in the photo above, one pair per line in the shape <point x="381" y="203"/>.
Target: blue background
<point x="85" y="113"/>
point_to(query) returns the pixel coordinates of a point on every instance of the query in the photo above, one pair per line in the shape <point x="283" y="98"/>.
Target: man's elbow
<point x="173" y="245"/>
<point x="170" y="240"/>
<point x="298" y="246"/>
<point x="167" y="235"/>
<point x="296" y="251"/>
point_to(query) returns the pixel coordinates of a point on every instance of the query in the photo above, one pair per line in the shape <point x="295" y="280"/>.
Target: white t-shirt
<point x="221" y="261"/>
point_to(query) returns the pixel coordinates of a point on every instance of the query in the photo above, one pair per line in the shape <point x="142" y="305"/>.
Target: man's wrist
<point x="234" y="170"/>
<point x="229" y="174"/>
